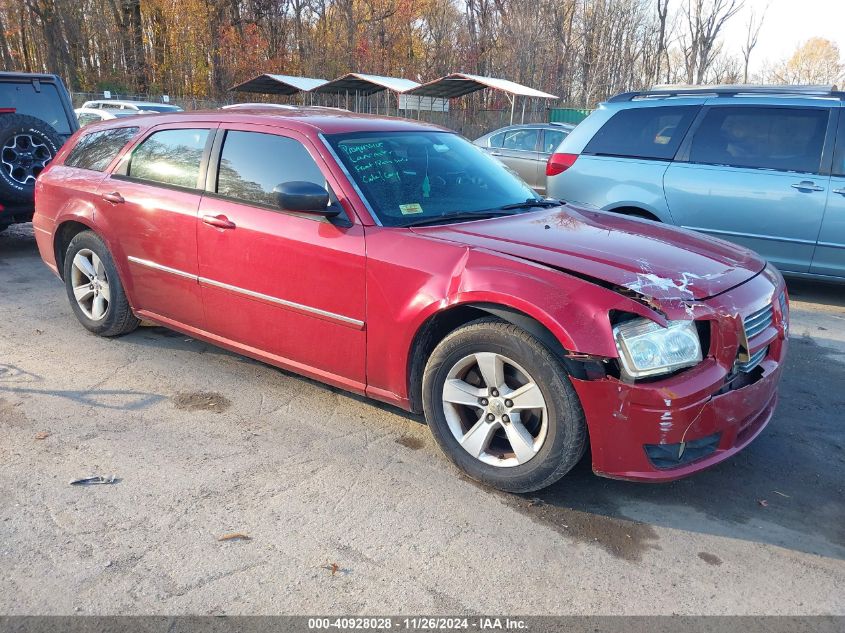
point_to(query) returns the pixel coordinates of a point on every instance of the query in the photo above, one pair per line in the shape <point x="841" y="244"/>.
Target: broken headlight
<point x="648" y="349"/>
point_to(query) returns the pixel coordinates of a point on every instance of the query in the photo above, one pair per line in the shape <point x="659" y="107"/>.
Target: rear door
<point x="756" y="175"/>
<point x="290" y="285"/>
<point x="150" y="204"/>
<point x="520" y="152"/>
<point x="829" y="258"/>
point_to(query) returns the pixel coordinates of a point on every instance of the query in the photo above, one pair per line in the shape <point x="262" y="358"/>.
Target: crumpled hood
<point x="654" y="260"/>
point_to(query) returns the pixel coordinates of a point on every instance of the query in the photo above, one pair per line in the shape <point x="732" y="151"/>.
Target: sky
<point x="788" y="23"/>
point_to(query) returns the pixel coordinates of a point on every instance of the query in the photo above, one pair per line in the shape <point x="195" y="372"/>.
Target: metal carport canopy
<point x="279" y="84"/>
<point x="460" y="84"/>
<point x="365" y="85"/>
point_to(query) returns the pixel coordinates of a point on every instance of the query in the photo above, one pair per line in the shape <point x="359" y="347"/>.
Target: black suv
<point x="36" y="117"/>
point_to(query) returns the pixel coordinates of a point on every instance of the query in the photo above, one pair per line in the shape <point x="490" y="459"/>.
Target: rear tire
<point x="94" y="289"/>
<point x="520" y="443"/>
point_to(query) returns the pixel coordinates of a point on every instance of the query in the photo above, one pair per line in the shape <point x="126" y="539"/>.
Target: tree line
<point x="581" y="50"/>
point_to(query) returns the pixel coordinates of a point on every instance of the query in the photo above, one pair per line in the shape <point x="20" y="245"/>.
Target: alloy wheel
<point x="90" y="284"/>
<point x="23" y="157"/>
<point x="495" y="409"/>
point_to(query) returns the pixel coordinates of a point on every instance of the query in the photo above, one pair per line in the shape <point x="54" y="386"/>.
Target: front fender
<point x="401" y="298"/>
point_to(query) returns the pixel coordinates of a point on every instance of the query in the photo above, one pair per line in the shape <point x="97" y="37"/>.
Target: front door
<point x="150" y="202"/>
<point x="288" y="286"/>
<point x="754" y="175"/>
<point x="829" y="258"/>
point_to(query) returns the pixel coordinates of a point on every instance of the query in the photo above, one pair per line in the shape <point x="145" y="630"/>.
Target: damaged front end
<point x="691" y="408"/>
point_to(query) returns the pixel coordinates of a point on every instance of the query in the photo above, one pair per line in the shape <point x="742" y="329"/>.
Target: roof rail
<point x="728" y="91"/>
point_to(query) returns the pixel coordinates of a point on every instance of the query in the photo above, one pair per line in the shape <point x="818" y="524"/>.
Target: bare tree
<point x="752" y="33"/>
<point x="662" y="14"/>
<point x="705" y="20"/>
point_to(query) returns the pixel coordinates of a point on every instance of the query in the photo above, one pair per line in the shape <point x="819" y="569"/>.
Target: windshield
<point x="413" y="177"/>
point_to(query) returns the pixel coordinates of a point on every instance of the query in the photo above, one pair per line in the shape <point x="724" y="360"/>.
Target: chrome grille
<point x="758" y="321"/>
<point x="753" y="361"/>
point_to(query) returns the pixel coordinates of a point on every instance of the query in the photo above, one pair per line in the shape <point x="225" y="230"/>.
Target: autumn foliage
<point x="582" y="50"/>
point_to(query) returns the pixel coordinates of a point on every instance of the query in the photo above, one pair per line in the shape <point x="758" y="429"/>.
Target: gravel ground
<point x="349" y="507"/>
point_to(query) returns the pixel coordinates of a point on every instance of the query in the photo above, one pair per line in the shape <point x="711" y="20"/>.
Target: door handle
<point x="219" y="221"/>
<point x="114" y="197"/>
<point x="495" y="153"/>
<point x="806" y="185"/>
<point x="839" y="191"/>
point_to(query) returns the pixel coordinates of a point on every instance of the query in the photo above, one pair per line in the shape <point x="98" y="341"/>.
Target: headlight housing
<point x="648" y="349"/>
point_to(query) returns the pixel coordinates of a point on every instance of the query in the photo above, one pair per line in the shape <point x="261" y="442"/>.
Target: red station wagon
<point x="397" y="260"/>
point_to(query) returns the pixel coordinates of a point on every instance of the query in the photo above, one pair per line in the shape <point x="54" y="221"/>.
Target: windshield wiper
<point x="457" y="217"/>
<point x="530" y="203"/>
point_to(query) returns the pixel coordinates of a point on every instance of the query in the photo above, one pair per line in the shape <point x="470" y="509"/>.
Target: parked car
<point x="392" y="259"/>
<point x="146" y="107"/>
<point x="86" y="116"/>
<point x="761" y="166"/>
<point x="36" y="116"/>
<point x="526" y="148"/>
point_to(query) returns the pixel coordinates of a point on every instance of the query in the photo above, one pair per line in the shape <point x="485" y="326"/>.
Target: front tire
<point x="94" y="289"/>
<point x="501" y="407"/>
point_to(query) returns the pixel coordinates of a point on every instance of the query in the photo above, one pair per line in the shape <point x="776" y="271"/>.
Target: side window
<point x="86" y="118"/>
<point x="552" y="139"/>
<point x="110" y="106"/>
<point x="496" y="140"/>
<point x="785" y="139"/>
<point x="96" y="150"/>
<point x="523" y="139"/>
<point x="839" y="152"/>
<point x="252" y="164"/>
<point x="647" y="132"/>
<point x="171" y="157"/>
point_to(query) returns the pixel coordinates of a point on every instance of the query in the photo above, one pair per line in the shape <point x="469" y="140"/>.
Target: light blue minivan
<point x="760" y="166"/>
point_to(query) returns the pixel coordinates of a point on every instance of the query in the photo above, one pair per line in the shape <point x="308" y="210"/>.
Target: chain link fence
<point x="186" y="103"/>
<point x="469" y="121"/>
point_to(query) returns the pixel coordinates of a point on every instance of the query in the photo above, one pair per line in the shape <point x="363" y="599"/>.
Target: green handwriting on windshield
<point x="373" y="162"/>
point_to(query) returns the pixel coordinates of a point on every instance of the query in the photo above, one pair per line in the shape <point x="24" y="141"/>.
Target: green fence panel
<point x="567" y="115"/>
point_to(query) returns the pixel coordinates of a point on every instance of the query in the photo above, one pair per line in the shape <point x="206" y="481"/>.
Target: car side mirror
<point x="304" y="197"/>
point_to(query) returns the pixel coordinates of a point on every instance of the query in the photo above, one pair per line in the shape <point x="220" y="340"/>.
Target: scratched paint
<point x="649" y="284"/>
<point x="666" y="424"/>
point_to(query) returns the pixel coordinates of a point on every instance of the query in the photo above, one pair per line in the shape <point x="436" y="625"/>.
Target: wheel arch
<point x="636" y="211"/>
<point x="64" y="233"/>
<point x="443" y="322"/>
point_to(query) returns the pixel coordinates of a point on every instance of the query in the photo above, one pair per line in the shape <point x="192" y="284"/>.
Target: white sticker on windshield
<point x="438" y="147"/>
<point x="410" y="209"/>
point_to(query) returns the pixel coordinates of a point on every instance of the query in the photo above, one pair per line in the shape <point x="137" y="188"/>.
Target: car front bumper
<point x="668" y="429"/>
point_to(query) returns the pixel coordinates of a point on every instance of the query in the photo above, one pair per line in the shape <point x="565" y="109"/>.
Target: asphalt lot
<point x="349" y="505"/>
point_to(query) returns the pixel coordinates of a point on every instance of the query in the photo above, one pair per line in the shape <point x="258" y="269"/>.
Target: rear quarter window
<point x="654" y="133"/>
<point x="96" y="150"/>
